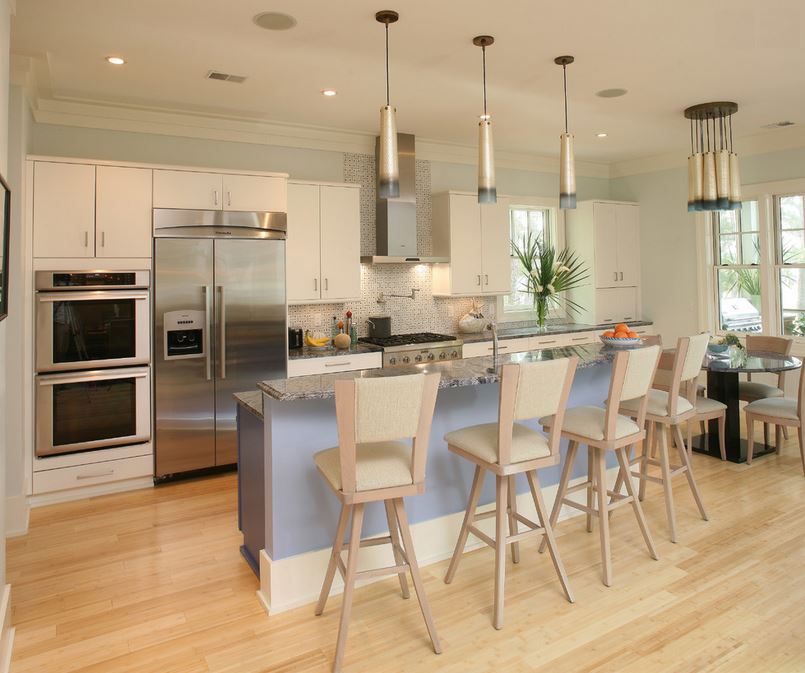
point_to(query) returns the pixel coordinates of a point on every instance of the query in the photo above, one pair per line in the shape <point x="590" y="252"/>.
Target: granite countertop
<point x="559" y="328"/>
<point x="251" y="400"/>
<point x="455" y="373"/>
<point x="305" y="352"/>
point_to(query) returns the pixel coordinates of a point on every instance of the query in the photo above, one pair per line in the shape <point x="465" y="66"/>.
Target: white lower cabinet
<point x="334" y="364"/>
<point x="92" y="474"/>
<point x="480" y="348"/>
<point x="616" y="304"/>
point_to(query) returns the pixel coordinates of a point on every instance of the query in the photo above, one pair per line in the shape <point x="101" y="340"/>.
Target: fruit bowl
<point x="718" y="348"/>
<point x="620" y="342"/>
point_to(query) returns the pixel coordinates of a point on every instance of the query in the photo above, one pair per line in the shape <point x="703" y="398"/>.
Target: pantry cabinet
<point x="323" y="244"/>
<point x="606" y="236"/>
<point x="195" y="190"/>
<point x="82" y="210"/>
<point x="476" y="239"/>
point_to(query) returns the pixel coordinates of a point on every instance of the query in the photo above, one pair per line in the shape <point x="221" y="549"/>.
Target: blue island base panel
<point x="302" y="512"/>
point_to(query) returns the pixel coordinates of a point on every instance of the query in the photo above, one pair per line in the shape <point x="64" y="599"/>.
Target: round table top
<point x="742" y="361"/>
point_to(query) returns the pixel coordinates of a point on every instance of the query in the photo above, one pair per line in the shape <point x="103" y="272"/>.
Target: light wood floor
<point x="153" y="581"/>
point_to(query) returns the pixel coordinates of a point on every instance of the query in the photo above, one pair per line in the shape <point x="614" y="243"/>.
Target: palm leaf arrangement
<point x="548" y="274"/>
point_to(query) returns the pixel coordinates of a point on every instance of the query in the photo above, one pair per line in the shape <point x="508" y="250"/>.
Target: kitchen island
<point x="288" y="514"/>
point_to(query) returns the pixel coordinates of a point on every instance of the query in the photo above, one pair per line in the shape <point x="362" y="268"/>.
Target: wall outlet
<point x="317" y="320"/>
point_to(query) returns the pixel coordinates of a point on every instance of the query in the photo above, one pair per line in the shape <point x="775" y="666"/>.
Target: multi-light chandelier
<point x="487" y="191"/>
<point x="714" y="180"/>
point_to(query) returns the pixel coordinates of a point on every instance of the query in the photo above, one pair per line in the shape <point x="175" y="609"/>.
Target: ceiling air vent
<point x="225" y="77"/>
<point x="778" y="125"/>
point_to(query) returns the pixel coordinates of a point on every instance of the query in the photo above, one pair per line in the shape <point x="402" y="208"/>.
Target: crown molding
<point x="770" y="140"/>
<point x="101" y="115"/>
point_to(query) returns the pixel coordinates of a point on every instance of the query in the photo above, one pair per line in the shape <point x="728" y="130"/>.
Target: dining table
<point x="723" y="371"/>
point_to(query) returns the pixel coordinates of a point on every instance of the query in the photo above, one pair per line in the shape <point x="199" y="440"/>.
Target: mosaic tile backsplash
<point x="425" y="312"/>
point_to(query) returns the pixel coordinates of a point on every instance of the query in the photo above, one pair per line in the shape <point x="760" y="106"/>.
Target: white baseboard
<point x="294" y="581"/>
<point x="17" y="515"/>
<point x="90" y="491"/>
<point x="6" y="630"/>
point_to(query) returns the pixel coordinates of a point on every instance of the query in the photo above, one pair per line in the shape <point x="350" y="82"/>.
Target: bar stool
<point x="506" y="449"/>
<point x="668" y="410"/>
<point x="751" y="391"/>
<point x="603" y="430"/>
<point x="370" y="464"/>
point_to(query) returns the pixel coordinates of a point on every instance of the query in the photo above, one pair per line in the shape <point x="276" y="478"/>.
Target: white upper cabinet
<point x="476" y="239"/>
<point x="254" y="193"/>
<point x="123" y="212"/>
<point x="323" y="244"/>
<point x="302" y="249"/>
<point x="188" y="190"/>
<point x="605" y="234"/>
<point x="64" y="210"/>
<point x="628" y="245"/>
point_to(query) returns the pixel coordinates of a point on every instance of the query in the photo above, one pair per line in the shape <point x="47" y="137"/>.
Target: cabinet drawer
<point x="94" y="473"/>
<point x="481" y="348"/>
<point x="581" y="338"/>
<point x="548" y="341"/>
<point x="334" y="364"/>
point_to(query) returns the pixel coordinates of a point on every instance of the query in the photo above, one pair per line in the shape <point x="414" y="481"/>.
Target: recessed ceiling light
<point x="274" y="21"/>
<point x="328" y="92"/>
<point x="601" y="135"/>
<point x="115" y="60"/>
<point x="611" y="93"/>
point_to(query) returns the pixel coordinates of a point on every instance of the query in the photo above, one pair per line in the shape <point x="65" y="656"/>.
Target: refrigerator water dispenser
<point x="184" y="334"/>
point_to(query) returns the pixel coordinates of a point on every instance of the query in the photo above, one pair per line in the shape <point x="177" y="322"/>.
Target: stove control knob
<point x="442" y="355"/>
<point x="392" y="361"/>
<point x="418" y="358"/>
<point x="431" y="356"/>
<point x="454" y="354"/>
<point x="406" y="360"/>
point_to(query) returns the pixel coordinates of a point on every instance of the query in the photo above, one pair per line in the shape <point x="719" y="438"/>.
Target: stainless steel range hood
<point x="395" y="219"/>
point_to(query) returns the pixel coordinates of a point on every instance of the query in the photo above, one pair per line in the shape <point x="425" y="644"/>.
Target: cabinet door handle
<point x="326" y="284"/>
<point x="486" y="279"/>
<point x="479" y="279"/>
<point x="86" y="239"/>
<point x="108" y="473"/>
<point x="545" y="343"/>
<point x="579" y="339"/>
<point x="215" y="197"/>
<point x="627" y="317"/>
<point x="228" y="198"/>
<point x="621" y="278"/>
<point x="500" y="348"/>
<point x="338" y="364"/>
<point x="608" y="320"/>
<point x="315" y="284"/>
<point x="103" y="239"/>
<point x="615" y="273"/>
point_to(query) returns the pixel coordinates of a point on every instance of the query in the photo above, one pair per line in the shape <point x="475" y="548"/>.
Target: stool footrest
<point x="381" y="572"/>
<point x="481" y="535"/>
<point x="374" y="541"/>
<point x="484" y="515"/>
<point x="578" y="487"/>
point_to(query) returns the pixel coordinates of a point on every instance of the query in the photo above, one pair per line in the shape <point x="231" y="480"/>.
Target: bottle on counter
<point x="334" y="330"/>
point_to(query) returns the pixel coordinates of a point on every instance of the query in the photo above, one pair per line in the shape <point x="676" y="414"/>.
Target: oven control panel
<point x="184" y="334"/>
<point x="422" y="356"/>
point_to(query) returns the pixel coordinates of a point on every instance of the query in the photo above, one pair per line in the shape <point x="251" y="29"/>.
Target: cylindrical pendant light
<point x="388" y="165"/>
<point x="567" y="162"/>
<point x="735" y="174"/>
<point x="722" y="169"/>
<point x="695" y="169"/>
<point x="487" y="190"/>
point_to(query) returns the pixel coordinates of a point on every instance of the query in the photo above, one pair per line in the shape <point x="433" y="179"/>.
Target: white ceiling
<point x="668" y="53"/>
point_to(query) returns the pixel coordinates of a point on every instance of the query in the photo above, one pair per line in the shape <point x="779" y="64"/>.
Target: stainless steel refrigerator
<point x="219" y="328"/>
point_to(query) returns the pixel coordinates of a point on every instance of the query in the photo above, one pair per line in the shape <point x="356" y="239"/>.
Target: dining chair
<point x="604" y="430"/>
<point x="667" y="410"/>
<point x="508" y="448"/>
<point x="372" y="464"/>
<point x="781" y="412"/>
<point x="749" y="390"/>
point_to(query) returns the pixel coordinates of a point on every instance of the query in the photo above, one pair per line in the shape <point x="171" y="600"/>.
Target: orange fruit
<point x="632" y="335"/>
<point x="622" y="327"/>
<point x="609" y="334"/>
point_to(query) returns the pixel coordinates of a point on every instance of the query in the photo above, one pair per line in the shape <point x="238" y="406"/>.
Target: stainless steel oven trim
<point x="43" y="280"/>
<point x="44" y="329"/>
<point x="44" y="409"/>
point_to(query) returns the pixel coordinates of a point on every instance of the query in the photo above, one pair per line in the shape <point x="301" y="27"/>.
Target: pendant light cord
<point x="388" y="94"/>
<point x="483" y="59"/>
<point x="564" y="78"/>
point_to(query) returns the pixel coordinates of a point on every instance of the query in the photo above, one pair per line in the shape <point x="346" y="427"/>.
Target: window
<point x="789" y="215"/>
<point x="522" y="220"/>
<point x="738" y="279"/>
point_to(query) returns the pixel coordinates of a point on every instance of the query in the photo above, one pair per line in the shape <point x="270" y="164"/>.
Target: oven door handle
<point x="95" y="375"/>
<point x="93" y="295"/>
<point x="207" y="328"/>
<point x="222" y="344"/>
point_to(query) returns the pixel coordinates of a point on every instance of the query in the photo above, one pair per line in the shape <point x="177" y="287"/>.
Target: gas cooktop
<point x="400" y="350"/>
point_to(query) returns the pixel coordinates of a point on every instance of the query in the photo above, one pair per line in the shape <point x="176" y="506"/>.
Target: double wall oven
<point x="93" y="384"/>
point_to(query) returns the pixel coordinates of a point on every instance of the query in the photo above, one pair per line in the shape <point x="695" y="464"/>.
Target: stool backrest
<point x="690" y="352"/>
<point x="770" y="344"/>
<point x="533" y="390"/>
<point x="632" y="374"/>
<point x="384" y="409"/>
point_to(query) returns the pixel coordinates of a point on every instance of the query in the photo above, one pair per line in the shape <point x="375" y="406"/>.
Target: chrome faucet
<point x="494" y="327"/>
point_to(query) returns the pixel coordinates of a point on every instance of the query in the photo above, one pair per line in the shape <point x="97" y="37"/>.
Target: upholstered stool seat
<point x="754" y="390"/>
<point x="589" y="421"/>
<point x="774" y="406"/>
<point x="482" y="442"/>
<point x="657" y="404"/>
<point x="705" y="405"/>
<point x="377" y="465"/>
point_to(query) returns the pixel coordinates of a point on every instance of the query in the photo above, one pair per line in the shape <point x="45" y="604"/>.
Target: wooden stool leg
<point x="689" y="443"/>
<point x="785" y="432"/>
<point x="648" y="444"/>
<point x="408" y="543"/>
<point x="623" y="459"/>
<point x="394" y="533"/>
<point x="722" y="434"/>
<point x="766" y="434"/>
<point x="512" y="519"/>
<point x="801" y="446"/>
<point x="542" y="516"/>
<point x="778" y="438"/>
<point x="500" y="549"/>
<point x="472" y="503"/>
<point x="694" y="488"/>
<point x="349" y="584"/>
<point x="750" y="438"/>
<point x="665" y="469"/>
<point x="338" y="544"/>
<point x="590" y="487"/>
<point x="561" y="491"/>
<point x="603" y="514"/>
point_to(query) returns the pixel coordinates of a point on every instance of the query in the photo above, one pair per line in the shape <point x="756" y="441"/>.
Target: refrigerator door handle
<point x="207" y="328"/>
<point x="222" y="346"/>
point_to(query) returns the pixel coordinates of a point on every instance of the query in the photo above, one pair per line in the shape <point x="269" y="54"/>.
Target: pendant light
<point x="388" y="166"/>
<point x="567" y="162"/>
<point x="487" y="190"/>
<point x="714" y="181"/>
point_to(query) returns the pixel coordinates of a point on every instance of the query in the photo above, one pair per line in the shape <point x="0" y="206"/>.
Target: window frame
<point x="556" y="229"/>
